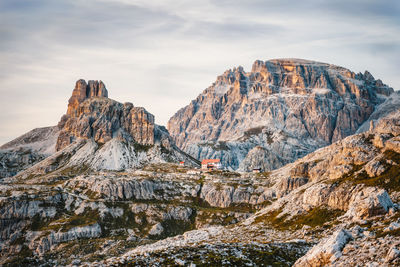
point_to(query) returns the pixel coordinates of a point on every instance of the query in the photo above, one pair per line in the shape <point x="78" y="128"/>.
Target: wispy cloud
<point x="161" y="54"/>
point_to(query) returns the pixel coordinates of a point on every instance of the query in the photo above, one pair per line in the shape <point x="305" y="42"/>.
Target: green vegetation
<point x="23" y="258"/>
<point x="256" y="131"/>
<point x="74" y="170"/>
<point x="166" y="168"/>
<point x="141" y="148"/>
<point x="380" y="233"/>
<point x="38" y="223"/>
<point x="66" y="222"/>
<point x="348" y="177"/>
<point x="253" y="131"/>
<point x="317" y="216"/>
<point x="218" y="146"/>
<point x="264" y="175"/>
<point x="226" y="174"/>
<point x="174" y="227"/>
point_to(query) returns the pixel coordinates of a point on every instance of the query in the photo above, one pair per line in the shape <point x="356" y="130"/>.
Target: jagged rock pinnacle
<point x="83" y="91"/>
<point x="91" y="114"/>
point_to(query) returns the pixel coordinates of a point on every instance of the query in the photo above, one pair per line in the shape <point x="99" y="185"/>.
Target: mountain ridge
<point x="312" y="101"/>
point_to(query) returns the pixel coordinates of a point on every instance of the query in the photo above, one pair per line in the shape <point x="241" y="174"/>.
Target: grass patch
<point x="256" y="131"/>
<point x="227" y="174"/>
<point x="381" y="233"/>
<point x="66" y="222"/>
<point x="74" y="171"/>
<point x="23" y="258"/>
<point x="166" y="168"/>
<point x="217" y="146"/>
<point x="264" y="175"/>
<point x="141" y="147"/>
<point x="318" y="216"/>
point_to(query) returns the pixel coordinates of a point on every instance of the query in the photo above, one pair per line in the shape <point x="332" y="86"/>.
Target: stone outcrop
<point x="327" y="251"/>
<point x="91" y="114"/>
<point x="368" y="203"/>
<point x="46" y="243"/>
<point x="133" y="188"/>
<point x="393" y="255"/>
<point x="83" y="91"/>
<point x="290" y="107"/>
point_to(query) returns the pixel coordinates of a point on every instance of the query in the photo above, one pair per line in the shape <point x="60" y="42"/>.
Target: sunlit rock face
<point x="83" y="91"/>
<point x="91" y="114"/>
<point x="289" y="107"/>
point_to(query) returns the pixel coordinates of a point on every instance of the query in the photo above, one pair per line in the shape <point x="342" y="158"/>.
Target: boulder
<point x="369" y="202"/>
<point x="326" y="251"/>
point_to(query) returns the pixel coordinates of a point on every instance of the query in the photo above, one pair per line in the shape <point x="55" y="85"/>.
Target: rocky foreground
<point x="338" y="206"/>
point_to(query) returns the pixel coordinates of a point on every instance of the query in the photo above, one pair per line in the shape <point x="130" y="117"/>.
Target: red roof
<point x="206" y="161"/>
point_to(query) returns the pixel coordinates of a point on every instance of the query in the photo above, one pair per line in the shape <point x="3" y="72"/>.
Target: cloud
<point x="162" y="54"/>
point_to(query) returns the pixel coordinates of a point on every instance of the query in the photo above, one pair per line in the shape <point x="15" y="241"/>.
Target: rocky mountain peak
<point x="91" y="114"/>
<point x="302" y="102"/>
<point x="84" y="91"/>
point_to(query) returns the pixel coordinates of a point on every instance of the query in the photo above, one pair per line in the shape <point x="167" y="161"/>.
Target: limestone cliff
<point x="91" y="114"/>
<point x="290" y="107"/>
<point x="84" y="91"/>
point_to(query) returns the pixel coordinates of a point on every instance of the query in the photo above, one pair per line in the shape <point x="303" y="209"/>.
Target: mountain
<point x="280" y="111"/>
<point x="27" y="150"/>
<point x="104" y="188"/>
<point x="97" y="132"/>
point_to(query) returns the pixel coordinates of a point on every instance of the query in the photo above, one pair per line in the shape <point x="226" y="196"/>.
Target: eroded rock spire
<point x="83" y="91"/>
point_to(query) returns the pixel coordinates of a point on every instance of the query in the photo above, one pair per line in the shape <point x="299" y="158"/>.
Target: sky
<point x="162" y="54"/>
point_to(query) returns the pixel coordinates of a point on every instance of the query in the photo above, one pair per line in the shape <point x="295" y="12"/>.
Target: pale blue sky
<point x="162" y="54"/>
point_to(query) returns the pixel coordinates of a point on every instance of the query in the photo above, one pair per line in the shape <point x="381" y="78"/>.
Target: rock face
<point x="46" y="243"/>
<point x="27" y="150"/>
<point x="356" y="175"/>
<point x="386" y="108"/>
<point x="326" y="251"/>
<point x="83" y="91"/>
<point x="289" y="107"/>
<point x="91" y="114"/>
